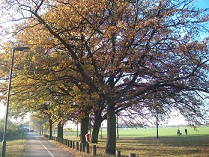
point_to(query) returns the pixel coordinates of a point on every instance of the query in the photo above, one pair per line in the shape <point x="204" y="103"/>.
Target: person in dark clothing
<point x="178" y="132"/>
<point x="186" y="131"/>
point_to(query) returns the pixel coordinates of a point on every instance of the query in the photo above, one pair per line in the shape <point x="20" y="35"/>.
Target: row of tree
<point x="97" y="59"/>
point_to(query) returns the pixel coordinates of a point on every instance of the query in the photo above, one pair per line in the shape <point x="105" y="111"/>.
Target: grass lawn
<point x="15" y="148"/>
<point x="143" y="142"/>
<point x="165" y="146"/>
<point x="163" y="131"/>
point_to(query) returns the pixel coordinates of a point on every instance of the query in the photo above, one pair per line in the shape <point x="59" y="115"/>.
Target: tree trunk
<point x="96" y="127"/>
<point x="60" y="130"/>
<point x="157" y="125"/>
<point x="111" y="130"/>
<point x="157" y="131"/>
<point x="50" y="128"/>
<point x="84" y="128"/>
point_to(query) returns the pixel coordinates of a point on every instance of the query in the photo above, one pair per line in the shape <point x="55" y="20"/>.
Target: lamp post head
<point x="21" y="48"/>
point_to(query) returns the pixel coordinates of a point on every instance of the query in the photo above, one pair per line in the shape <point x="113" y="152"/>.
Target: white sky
<point x="173" y="121"/>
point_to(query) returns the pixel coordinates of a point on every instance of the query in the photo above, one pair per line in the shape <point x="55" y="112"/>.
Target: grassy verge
<point x="15" y="148"/>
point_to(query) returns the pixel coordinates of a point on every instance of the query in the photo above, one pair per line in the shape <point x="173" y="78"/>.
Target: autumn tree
<point x="122" y="50"/>
<point x="33" y="89"/>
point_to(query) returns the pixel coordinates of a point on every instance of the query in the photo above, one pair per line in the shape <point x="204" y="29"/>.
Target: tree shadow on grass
<point x="170" y="141"/>
<point x="166" y="146"/>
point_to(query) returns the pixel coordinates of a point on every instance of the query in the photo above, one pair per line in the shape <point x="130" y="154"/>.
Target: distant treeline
<point x="14" y="131"/>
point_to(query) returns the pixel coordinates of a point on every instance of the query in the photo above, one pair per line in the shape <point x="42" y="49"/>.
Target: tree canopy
<point x="115" y="52"/>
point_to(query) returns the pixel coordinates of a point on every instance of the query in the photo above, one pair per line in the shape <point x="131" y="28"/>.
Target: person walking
<point x="186" y="131"/>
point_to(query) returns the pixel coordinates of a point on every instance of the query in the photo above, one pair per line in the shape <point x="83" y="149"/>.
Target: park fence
<point x="82" y="147"/>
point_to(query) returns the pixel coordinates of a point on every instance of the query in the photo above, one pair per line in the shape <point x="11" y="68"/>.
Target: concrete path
<point x="37" y="146"/>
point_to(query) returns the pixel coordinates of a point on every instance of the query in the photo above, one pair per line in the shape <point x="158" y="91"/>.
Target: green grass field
<point x="143" y="142"/>
<point x="163" y="131"/>
<point x="146" y="132"/>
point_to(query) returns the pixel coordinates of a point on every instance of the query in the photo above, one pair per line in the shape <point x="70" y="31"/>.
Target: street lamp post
<point x="8" y="96"/>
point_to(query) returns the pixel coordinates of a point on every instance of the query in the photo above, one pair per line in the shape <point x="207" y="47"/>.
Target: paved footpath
<point x="37" y="146"/>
